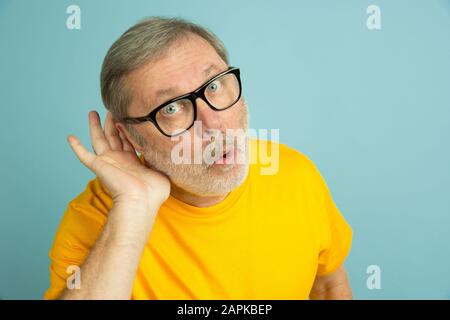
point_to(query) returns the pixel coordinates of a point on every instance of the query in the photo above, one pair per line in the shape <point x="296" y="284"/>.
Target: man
<point x="149" y="228"/>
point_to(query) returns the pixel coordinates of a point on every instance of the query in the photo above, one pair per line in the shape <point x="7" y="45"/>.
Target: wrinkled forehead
<point x="185" y="65"/>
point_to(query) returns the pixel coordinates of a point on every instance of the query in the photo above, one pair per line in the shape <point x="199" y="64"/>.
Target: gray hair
<point x="145" y="41"/>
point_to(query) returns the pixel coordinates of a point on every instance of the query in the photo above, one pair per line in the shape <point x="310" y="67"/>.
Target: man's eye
<point x="214" y="86"/>
<point x="171" y="109"/>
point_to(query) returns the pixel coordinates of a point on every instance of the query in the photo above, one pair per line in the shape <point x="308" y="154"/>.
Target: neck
<point x="195" y="200"/>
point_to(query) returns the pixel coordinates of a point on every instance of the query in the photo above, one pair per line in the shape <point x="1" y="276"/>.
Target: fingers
<point x="98" y="139"/>
<point x="111" y="133"/>
<point x="86" y="157"/>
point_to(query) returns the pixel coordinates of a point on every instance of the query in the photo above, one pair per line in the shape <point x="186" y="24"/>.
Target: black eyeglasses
<point x="178" y="115"/>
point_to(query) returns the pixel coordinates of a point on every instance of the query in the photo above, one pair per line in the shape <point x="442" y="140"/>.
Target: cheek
<point x="238" y="115"/>
<point x="156" y="140"/>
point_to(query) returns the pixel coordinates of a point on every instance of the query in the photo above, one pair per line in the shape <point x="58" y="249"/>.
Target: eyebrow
<point x="167" y="92"/>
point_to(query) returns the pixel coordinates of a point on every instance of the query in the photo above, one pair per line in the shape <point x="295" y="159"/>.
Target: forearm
<point x="337" y="292"/>
<point x="109" y="270"/>
<point x="335" y="286"/>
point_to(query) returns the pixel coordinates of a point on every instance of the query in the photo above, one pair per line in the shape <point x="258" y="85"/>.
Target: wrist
<point x="121" y="231"/>
<point x="142" y="201"/>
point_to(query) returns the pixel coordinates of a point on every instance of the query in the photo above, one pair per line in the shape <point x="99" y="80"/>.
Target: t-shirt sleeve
<point x="335" y="233"/>
<point x="77" y="233"/>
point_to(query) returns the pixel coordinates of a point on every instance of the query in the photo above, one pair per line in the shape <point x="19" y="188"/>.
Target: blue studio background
<point x="371" y="108"/>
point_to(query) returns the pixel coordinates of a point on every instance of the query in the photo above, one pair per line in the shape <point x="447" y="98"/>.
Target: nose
<point x="210" y="118"/>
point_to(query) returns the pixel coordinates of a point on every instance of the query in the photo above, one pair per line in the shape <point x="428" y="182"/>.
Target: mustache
<point x="216" y="149"/>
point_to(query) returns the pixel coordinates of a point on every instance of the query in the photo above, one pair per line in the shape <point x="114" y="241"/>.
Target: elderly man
<point x="150" y="228"/>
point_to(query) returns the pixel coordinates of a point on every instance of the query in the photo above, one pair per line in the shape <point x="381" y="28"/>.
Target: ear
<point x="121" y="128"/>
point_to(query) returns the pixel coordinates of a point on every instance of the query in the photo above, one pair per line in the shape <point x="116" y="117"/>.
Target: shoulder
<point x="279" y="159"/>
<point x="77" y="233"/>
<point x="84" y="217"/>
<point x="93" y="200"/>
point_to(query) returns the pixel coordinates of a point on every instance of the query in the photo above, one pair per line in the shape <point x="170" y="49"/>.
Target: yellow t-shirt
<point x="268" y="239"/>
